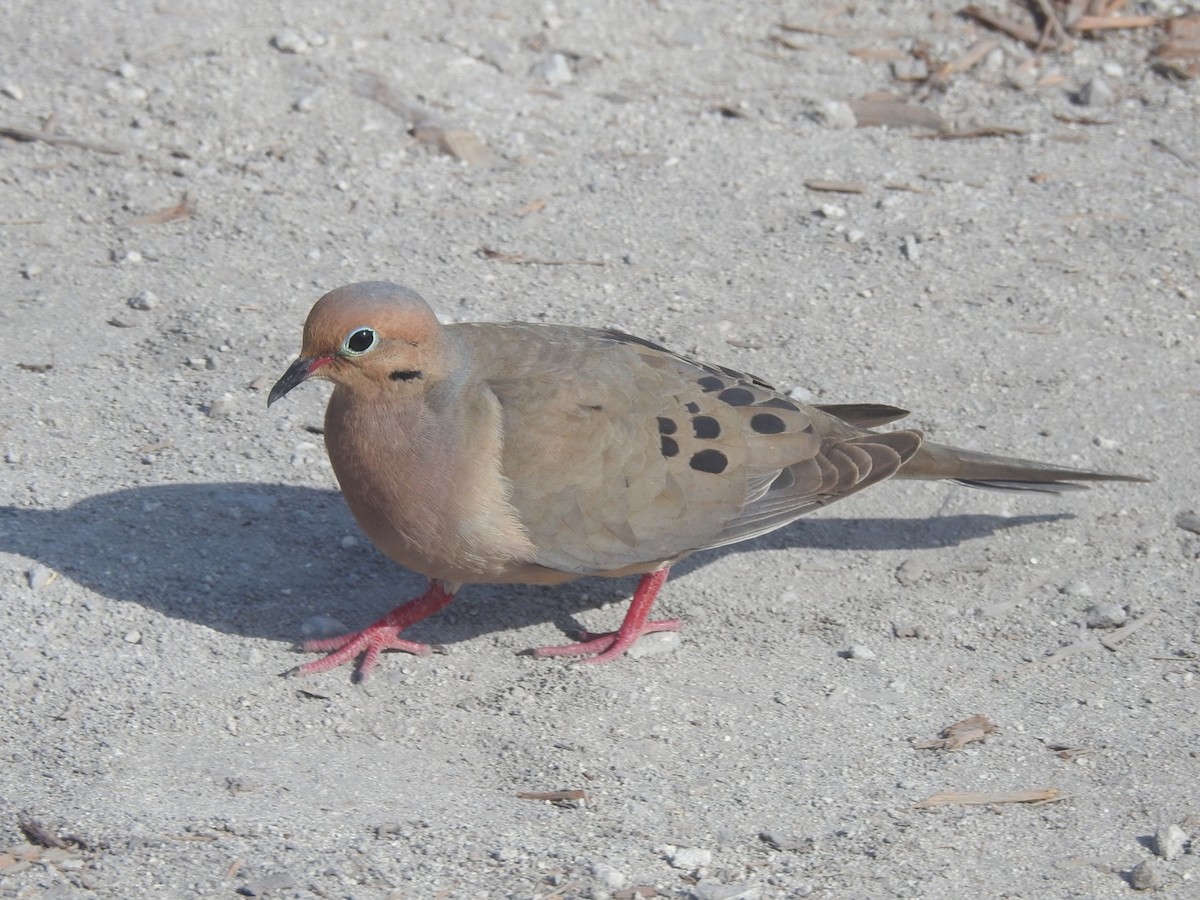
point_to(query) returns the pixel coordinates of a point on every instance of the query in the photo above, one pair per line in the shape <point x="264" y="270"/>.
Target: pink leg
<point x="379" y="636"/>
<point x="608" y="647"/>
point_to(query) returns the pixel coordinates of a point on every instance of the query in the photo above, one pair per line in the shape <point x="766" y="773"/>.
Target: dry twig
<point x="520" y="259"/>
<point x="986" y="798"/>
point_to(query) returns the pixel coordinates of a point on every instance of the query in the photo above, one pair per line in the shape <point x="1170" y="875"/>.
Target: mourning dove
<point x="544" y="453"/>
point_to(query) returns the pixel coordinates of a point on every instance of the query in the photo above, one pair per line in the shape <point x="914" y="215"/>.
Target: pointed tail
<point x="999" y="473"/>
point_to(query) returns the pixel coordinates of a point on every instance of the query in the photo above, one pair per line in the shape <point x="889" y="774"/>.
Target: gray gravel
<point x="181" y="181"/>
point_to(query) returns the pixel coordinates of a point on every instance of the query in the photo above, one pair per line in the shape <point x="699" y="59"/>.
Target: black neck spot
<point x="405" y="374"/>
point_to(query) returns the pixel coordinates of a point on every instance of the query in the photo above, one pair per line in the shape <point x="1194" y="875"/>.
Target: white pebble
<point x="858" y="651"/>
<point x="132" y="637"/>
<point x="654" y="644"/>
<point x="222" y="407"/>
<point x="39" y="576"/>
<point x="290" y="41"/>
<point x="12" y="90"/>
<point x="1076" y="589"/>
<point x="910" y="572"/>
<point x="1106" y="615"/>
<point x="322" y="627"/>
<point x="836" y="114"/>
<point x="302" y="453"/>
<point x="349" y="542"/>
<point x="1096" y="93"/>
<point x="1169" y="841"/>
<point x="553" y="69"/>
<point x="689" y="858"/>
<point x="143" y="300"/>
<point x="832" y="211"/>
<point x="610" y="878"/>
<point x="714" y="890"/>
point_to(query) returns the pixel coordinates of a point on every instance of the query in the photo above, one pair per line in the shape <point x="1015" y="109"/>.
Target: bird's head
<point x="365" y="336"/>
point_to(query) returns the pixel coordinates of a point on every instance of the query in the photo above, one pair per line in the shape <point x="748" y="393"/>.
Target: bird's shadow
<point x="256" y="560"/>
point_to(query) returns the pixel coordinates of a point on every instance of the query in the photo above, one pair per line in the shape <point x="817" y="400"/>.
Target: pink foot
<point x="378" y="636"/>
<point x="609" y="646"/>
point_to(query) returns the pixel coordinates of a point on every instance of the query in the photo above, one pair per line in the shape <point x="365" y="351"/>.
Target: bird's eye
<point x="359" y="341"/>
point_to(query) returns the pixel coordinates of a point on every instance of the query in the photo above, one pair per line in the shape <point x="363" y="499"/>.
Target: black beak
<point x="297" y="372"/>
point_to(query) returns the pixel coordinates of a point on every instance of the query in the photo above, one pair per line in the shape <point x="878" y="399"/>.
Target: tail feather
<point x="999" y="473"/>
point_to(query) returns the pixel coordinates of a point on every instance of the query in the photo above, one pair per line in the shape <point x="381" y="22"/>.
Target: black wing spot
<point x="706" y="427"/>
<point x="710" y="383"/>
<point x="767" y="423"/>
<point x="692" y="407"/>
<point x="736" y="396"/>
<point x="780" y="403"/>
<point x="666" y="426"/>
<point x="670" y="447"/>
<point x="714" y="462"/>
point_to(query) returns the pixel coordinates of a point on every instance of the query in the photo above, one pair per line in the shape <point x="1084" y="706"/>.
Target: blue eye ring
<point x="360" y="340"/>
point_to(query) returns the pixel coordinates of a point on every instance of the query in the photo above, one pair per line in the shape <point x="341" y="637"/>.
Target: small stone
<point x="909" y="630"/>
<point x="349" y="542"/>
<point x="1076" y="589"/>
<point x="9" y="89"/>
<point x="290" y="41"/>
<point x="127" y="70"/>
<point x="1148" y="875"/>
<point x="1106" y="615"/>
<point x="144" y="300"/>
<point x="303" y="453"/>
<point x="1112" y="69"/>
<point x="1169" y="842"/>
<point x="553" y="69"/>
<point x="609" y="878"/>
<point x="854" y="236"/>
<point x="316" y="627"/>
<point x="804" y="395"/>
<point x="1189" y="521"/>
<point x="261" y="383"/>
<point x="39" y="576"/>
<point x="714" y="890"/>
<point x="197" y="362"/>
<point x="910" y="70"/>
<point x="222" y="407"/>
<point x="689" y="858"/>
<point x="859" y="651"/>
<point x="1095" y="92"/>
<point x="836" y="114"/>
<point x="132" y="637"/>
<point x="910" y="248"/>
<point x="910" y="572"/>
<point x="12" y="457"/>
<point x="305" y="104"/>
<point x="1105" y="443"/>
<point x="832" y="211"/>
<point x="654" y="644"/>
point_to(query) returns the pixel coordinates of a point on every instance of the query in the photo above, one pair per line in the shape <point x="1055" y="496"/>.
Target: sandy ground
<point x="164" y="537"/>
